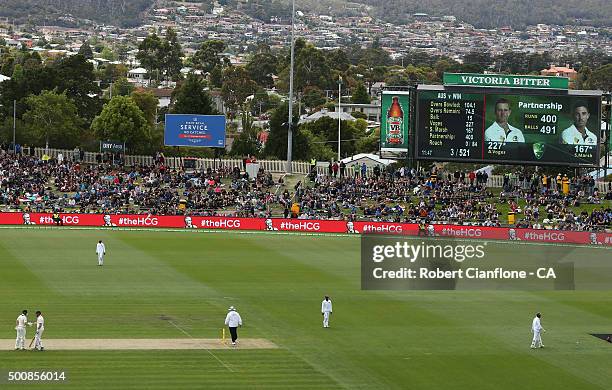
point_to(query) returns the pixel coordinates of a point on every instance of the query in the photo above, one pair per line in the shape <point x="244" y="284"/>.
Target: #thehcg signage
<point x="395" y="121"/>
<point x="195" y="130"/>
<point x="505" y="81"/>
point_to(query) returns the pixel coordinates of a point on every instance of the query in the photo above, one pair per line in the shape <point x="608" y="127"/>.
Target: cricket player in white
<point x="233" y="321"/>
<point x="536" y="328"/>
<point x="40" y="328"/>
<point x="326" y="309"/>
<point x="577" y="133"/>
<point x="20" y="327"/>
<point x="100" y="251"/>
<point x="501" y="130"/>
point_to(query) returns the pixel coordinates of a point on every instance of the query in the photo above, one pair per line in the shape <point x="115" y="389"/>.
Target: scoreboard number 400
<point x="550" y="122"/>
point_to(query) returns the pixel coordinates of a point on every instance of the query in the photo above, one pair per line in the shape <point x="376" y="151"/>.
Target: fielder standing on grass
<point x="40" y="328"/>
<point x="20" y="327"/>
<point x="100" y="251"/>
<point x="536" y="328"/>
<point x="326" y="310"/>
<point x="233" y="321"/>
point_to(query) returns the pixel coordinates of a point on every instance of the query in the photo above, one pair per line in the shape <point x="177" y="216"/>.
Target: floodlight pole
<point x="290" y="119"/>
<point x="14" y="125"/>
<point x="339" y="110"/>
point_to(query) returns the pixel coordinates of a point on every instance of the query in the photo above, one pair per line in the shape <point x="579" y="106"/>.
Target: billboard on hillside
<point x="195" y="130"/>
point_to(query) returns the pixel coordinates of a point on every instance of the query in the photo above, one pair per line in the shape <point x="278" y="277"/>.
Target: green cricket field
<point x="151" y="318"/>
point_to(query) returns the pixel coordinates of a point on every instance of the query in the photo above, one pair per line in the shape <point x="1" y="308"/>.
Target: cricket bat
<point x="30" y="346"/>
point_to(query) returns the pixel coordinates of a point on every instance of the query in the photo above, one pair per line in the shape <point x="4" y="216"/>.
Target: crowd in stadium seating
<point x="399" y="195"/>
<point x="31" y="183"/>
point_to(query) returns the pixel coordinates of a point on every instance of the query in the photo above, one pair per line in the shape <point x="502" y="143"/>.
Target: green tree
<point x="584" y="78"/>
<point x="313" y="97"/>
<point x="113" y="72"/>
<point x="122" y="51"/>
<point x="261" y="67"/>
<point x="7" y="65"/>
<point x="339" y="59"/>
<point x="150" y="53"/>
<point x="260" y="102"/>
<point x="147" y="102"/>
<point x="398" y="79"/>
<point x="23" y="83"/>
<point x="237" y="86"/>
<point x="173" y="52"/>
<point x="85" y="51"/>
<point x="276" y="145"/>
<point x="370" y="57"/>
<point x="208" y="55"/>
<point x="318" y="147"/>
<point x="122" y="87"/>
<point x="480" y="59"/>
<point x="512" y="62"/>
<point x="601" y="78"/>
<point x="216" y="77"/>
<point x="360" y="95"/>
<point x="108" y="54"/>
<point x="312" y="69"/>
<point x="326" y="128"/>
<point x="31" y="60"/>
<point x="192" y="98"/>
<point x="247" y="143"/>
<point x="370" y="143"/>
<point x="122" y="120"/>
<point x="76" y="77"/>
<point x="52" y="118"/>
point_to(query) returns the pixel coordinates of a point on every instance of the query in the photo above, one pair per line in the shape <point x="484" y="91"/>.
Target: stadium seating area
<point x="29" y="183"/>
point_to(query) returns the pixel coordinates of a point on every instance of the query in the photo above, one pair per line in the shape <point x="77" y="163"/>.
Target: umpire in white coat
<point x="233" y="321"/>
<point x="100" y="251"/>
<point x="326" y="310"/>
<point x="536" y="328"/>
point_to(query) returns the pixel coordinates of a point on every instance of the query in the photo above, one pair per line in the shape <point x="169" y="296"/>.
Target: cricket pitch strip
<point x="144" y="344"/>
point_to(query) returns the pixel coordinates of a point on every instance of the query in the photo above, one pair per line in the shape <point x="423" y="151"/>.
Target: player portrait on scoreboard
<point x="578" y="133"/>
<point x="501" y="130"/>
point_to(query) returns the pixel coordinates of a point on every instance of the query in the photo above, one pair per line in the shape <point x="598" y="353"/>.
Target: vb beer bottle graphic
<point x="395" y="123"/>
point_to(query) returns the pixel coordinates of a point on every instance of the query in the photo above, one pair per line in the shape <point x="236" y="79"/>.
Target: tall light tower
<point x="339" y="111"/>
<point x="290" y="119"/>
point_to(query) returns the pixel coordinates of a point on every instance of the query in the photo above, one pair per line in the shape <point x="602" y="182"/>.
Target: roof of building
<point x="324" y="113"/>
<point x="559" y="69"/>
<point x="370" y="156"/>
<point x="138" y="71"/>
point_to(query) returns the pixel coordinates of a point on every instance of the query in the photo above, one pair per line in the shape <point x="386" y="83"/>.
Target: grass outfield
<point x="153" y="281"/>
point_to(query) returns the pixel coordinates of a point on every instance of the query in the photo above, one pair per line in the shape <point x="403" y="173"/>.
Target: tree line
<point x="498" y="13"/>
<point x="70" y="13"/>
<point x="66" y="102"/>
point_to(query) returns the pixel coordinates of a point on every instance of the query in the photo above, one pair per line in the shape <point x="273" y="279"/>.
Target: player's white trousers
<point x="20" y="341"/>
<point x="100" y="259"/>
<point x="38" y="339"/>
<point x="537" y="340"/>
<point x="326" y="319"/>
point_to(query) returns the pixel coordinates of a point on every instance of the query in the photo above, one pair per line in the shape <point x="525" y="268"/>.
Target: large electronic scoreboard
<point x="507" y="126"/>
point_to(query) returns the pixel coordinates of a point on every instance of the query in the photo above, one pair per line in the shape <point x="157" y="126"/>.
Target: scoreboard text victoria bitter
<point x="458" y="124"/>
